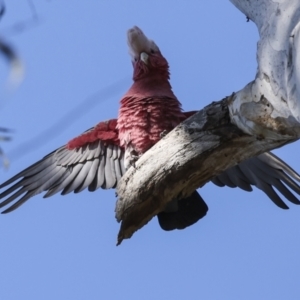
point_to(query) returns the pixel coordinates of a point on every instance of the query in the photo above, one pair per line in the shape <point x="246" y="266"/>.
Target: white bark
<point x="269" y="106"/>
<point x="265" y="114"/>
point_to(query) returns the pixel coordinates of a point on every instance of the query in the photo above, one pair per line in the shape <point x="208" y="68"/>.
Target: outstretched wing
<point x="265" y="171"/>
<point x="91" y="160"/>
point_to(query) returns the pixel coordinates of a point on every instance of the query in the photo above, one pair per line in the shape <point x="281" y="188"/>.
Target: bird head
<point x="146" y="57"/>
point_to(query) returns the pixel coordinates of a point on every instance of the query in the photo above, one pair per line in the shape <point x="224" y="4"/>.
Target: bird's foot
<point x="163" y="133"/>
<point x="133" y="158"/>
<point x="130" y="159"/>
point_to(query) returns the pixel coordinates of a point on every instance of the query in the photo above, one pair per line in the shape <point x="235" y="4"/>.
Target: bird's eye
<point x="152" y="51"/>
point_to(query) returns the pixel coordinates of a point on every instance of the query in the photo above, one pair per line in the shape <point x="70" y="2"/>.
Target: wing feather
<point x="226" y="179"/>
<point x="266" y="172"/>
<point x="110" y="175"/>
<point x="95" y="164"/>
<point x="239" y="179"/>
<point x="101" y="173"/>
<point x="90" y="176"/>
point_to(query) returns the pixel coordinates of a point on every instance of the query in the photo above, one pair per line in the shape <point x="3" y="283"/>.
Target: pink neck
<point x="150" y="86"/>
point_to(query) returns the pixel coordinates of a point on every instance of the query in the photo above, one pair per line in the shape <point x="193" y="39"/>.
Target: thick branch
<point x="192" y="154"/>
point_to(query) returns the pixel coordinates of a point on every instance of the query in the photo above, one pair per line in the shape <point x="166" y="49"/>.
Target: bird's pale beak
<point x="144" y="57"/>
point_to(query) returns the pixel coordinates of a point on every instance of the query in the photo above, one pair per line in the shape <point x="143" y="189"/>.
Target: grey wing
<point x="92" y="166"/>
<point x="265" y="171"/>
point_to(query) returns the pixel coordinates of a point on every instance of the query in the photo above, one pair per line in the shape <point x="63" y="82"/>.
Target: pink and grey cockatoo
<point x="100" y="156"/>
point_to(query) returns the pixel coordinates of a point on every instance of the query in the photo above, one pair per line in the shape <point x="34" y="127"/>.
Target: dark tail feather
<point x="189" y="211"/>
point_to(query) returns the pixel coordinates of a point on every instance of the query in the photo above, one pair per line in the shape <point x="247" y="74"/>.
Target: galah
<point x="149" y="109"/>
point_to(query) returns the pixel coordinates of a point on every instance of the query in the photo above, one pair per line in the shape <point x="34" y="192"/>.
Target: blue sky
<point x="64" y="247"/>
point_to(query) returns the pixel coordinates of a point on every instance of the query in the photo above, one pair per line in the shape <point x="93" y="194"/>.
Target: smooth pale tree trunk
<point x="262" y="116"/>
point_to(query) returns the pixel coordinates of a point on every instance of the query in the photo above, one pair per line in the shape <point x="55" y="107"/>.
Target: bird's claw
<point x="163" y="134"/>
<point x="133" y="158"/>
